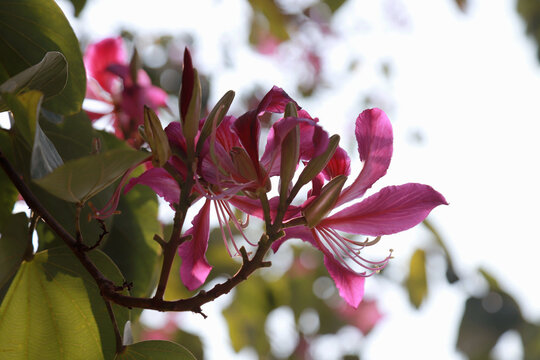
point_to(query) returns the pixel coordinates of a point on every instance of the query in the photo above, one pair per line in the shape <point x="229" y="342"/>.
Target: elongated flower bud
<point x="215" y="117"/>
<point x="325" y="202"/>
<point x="317" y="164"/>
<point x="190" y="103"/>
<point x="156" y="138"/>
<point x="290" y="154"/>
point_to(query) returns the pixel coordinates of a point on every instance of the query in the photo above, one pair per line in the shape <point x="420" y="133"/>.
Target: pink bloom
<point x="110" y="81"/>
<point x="365" y="317"/>
<point x="229" y="164"/>
<point x="393" y="209"/>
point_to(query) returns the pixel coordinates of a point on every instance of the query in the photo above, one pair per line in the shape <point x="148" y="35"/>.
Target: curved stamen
<point x="235" y="222"/>
<point x="340" y="247"/>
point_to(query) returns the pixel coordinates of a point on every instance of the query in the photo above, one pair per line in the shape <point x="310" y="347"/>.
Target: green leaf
<point x="25" y="108"/>
<point x="8" y="192"/>
<point x="30" y="29"/>
<point x="49" y="76"/>
<point x="416" y="283"/>
<point x="155" y="350"/>
<point x="78" y="180"/>
<point x="130" y="241"/>
<point x="45" y="157"/>
<point x="246" y="323"/>
<point x="14" y="242"/>
<point x="484" y="321"/>
<point x="53" y="310"/>
<point x="334" y="5"/>
<point x="78" y="5"/>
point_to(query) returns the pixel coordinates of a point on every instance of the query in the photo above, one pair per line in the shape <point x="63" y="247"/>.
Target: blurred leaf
<point x="529" y="10"/>
<point x="246" y="316"/>
<point x="155" y="350"/>
<point x="462" y="4"/>
<point x="130" y="241"/>
<point x="486" y="319"/>
<point x="14" y="242"/>
<point x="31" y="28"/>
<point x="8" y="192"/>
<point x="78" y="6"/>
<point x="49" y="76"/>
<point x="53" y="309"/>
<point x="480" y="329"/>
<point x="451" y="275"/>
<point x="334" y="5"/>
<point x="530" y="335"/>
<point x="78" y="180"/>
<point x="275" y="17"/>
<point x="416" y="283"/>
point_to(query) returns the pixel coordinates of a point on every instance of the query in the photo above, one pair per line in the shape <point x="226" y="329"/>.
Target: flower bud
<point x="190" y="103"/>
<point x="156" y="138"/>
<point x="215" y="117"/>
<point x="290" y="155"/>
<point x="317" y="164"/>
<point x="324" y="203"/>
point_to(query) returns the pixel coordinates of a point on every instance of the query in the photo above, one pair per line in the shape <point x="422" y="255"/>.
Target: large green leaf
<point x="25" y="108"/>
<point x="155" y="350"/>
<point x="14" y="242"/>
<point x="49" y="76"/>
<point x="78" y="180"/>
<point x="53" y="310"/>
<point x="130" y="241"/>
<point x="30" y="29"/>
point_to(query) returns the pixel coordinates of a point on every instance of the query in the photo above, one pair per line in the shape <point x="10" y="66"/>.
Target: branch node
<point x="266" y="264"/>
<point x="244" y="254"/>
<point x="199" y="311"/>
<point x="159" y="240"/>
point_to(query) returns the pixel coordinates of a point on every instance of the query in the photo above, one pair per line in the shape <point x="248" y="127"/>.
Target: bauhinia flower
<point x="112" y="80"/>
<point x="391" y="210"/>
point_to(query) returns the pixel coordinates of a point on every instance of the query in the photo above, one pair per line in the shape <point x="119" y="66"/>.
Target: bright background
<point x="463" y="99"/>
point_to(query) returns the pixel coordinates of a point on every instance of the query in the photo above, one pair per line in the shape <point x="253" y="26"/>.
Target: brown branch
<point x="31" y="200"/>
<point x="119" y="344"/>
<point x="111" y="292"/>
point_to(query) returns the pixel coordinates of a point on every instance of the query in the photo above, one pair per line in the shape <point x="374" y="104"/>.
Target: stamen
<point x="235" y="222"/>
<point x="339" y="247"/>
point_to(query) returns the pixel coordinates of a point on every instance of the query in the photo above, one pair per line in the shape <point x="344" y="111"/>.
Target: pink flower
<point x="365" y="317"/>
<point x="229" y="164"/>
<point x="110" y="81"/>
<point x="393" y="209"/>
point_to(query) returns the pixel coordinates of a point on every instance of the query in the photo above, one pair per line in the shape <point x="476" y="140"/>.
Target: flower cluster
<point x="114" y="81"/>
<point x="217" y="160"/>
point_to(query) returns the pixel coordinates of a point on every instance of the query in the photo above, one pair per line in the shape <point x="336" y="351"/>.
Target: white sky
<point x="469" y="83"/>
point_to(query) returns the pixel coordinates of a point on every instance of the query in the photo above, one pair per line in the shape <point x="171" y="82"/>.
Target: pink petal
<point x="339" y="164"/>
<point x="350" y="285"/>
<point x="297" y="232"/>
<point x="391" y="210"/>
<point x="195" y="269"/>
<point x="99" y="56"/>
<point x="374" y="136"/>
<point x="275" y="101"/>
<point x="159" y="180"/>
<point x="248" y="129"/>
<point x="271" y="158"/>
